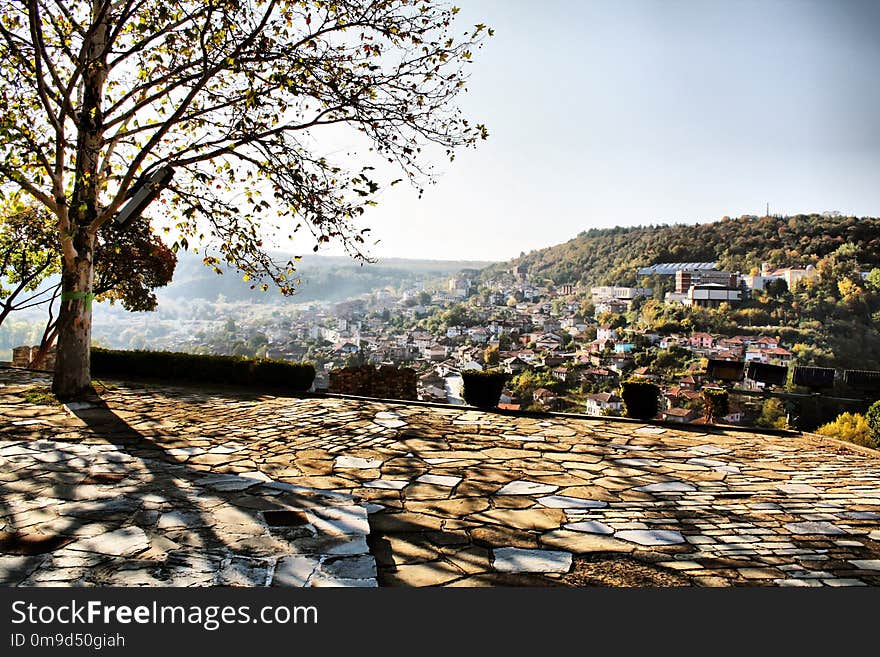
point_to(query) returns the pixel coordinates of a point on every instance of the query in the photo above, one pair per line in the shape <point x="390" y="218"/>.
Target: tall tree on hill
<point x="97" y="95"/>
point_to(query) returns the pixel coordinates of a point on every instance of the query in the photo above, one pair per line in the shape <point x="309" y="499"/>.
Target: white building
<point x="712" y="295"/>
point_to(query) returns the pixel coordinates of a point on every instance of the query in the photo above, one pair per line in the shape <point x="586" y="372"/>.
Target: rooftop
<point x="162" y="485"/>
<point x="669" y="268"/>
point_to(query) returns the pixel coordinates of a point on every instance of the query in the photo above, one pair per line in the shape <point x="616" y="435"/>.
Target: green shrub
<point x="851" y="427"/>
<point x="483" y="389"/>
<point x="641" y="399"/>
<point x="872" y="418"/>
<point x="716" y="404"/>
<point x="233" y="370"/>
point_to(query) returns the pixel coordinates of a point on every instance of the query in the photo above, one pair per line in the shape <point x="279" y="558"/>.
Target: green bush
<point x="232" y="370"/>
<point x="641" y="399"/>
<point x="873" y="419"/>
<point x="851" y="427"/>
<point x="716" y="404"/>
<point x="483" y="389"/>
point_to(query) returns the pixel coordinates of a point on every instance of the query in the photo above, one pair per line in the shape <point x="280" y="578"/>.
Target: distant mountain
<point x="614" y="255"/>
<point x="323" y="278"/>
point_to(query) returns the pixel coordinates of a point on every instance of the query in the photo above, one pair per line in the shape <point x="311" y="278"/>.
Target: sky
<point x="627" y="112"/>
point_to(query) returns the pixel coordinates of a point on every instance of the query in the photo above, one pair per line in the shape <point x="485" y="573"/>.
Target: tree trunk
<point x="73" y="365"/>
<point x="50" y="334"/>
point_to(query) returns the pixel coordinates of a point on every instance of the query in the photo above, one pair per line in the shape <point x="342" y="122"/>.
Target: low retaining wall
<point x="24" y="357"/>
<point x="386" y="382"/>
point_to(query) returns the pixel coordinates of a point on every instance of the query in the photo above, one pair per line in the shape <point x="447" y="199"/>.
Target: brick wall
<point x="23" y="356"/>
<point x="386" y="382"/>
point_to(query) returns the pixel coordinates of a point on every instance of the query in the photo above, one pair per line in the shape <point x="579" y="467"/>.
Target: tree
<point x="129" y="264"/>
<point x="772" y="415"/>
<point x="716" y="404"/>
<point x="776" y="287"/>
<point x="872" y="417"/>
<point x="491" y="356"/>
<point x="842" y="264"/>
<point x="27" y="258"/>
<point x="97" y="96"/>
<point x="851" y="427"/>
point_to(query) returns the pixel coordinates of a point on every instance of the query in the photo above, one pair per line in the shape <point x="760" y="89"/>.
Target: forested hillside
<point x="831" y="321"/>
<point x="614" y="255"/>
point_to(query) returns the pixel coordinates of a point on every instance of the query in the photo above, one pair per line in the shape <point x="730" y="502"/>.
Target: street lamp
<point x="143" y="193"/>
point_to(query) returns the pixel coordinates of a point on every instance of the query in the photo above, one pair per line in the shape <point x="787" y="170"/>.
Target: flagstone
<point x="862" y="515"/>
<point x="722" y="508"/>
<point x="422" y="574"/>
<point x="119" y="543"/>
<point x="518" y="560"/>
<point x="387" y="484"/>
<point x="349" y="568"/>
<point x="708" y="450"/>
<point x="522" y="519"/>
<point x="439" y="480"/>
<point x="457" y="507"/>
<point x="568" y="502"/>
<point x="581" y="542"/>
<point x="814" y="527"/>
<point x="357" y="463"/>
<point x="667" y="487"/>
<point x="651" y="537"/>
<point x="339" y="520"/>
<point x="522" y="487"/>
<point x="798" y="489"/>
<point x="589" y="527"/>
<point x="294" y="571"/>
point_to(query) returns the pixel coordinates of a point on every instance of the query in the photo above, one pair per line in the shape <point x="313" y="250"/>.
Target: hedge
<point x="641" y="399"/>
<point x="483" y="389"/>
<point x="196" y="368"/>
<point x="873" y="419"/>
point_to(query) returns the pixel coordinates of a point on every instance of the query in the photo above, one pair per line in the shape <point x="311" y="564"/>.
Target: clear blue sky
<point x="621" y="112"/>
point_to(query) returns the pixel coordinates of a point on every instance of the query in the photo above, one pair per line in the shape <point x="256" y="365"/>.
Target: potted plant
<point x="483" y="389"/>
<point x="716" y="404"/>
<point x="641" y="399"/>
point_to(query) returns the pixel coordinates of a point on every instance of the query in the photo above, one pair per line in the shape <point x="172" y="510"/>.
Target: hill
<point x="614" y="255"/>
<point x="323" y="278"/>
<point x="831" y="321"/>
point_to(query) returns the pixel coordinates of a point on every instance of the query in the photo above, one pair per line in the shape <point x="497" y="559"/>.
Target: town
<point x="564" y="347"/>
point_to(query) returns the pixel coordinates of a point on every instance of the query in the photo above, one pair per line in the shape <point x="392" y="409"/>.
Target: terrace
<point x="173" y="486"/>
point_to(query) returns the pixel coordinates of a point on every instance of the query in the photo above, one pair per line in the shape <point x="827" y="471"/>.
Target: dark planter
<point x="725" y="370"/>
<point x="483" y="389"/>
<point x="641" y="400"/>
<point x="773" y="375"/>
<point x="716" y="404"/>
<point x="813" y="377"/>
<point x="862" y="379"/>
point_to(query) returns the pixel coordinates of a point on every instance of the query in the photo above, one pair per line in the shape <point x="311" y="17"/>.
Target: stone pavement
<point x="161" y="485"/>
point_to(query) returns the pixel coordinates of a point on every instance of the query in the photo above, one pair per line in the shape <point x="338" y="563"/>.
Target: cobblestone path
<point x="181" y="486"/>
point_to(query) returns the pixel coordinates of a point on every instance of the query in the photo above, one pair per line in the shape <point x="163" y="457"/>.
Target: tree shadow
<point x="449" y="552"/>
<point x="158" y="521"/>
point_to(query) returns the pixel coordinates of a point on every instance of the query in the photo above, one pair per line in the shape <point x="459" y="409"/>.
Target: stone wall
<point x="23" y="357"/>
<point x="386" y="382"/>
